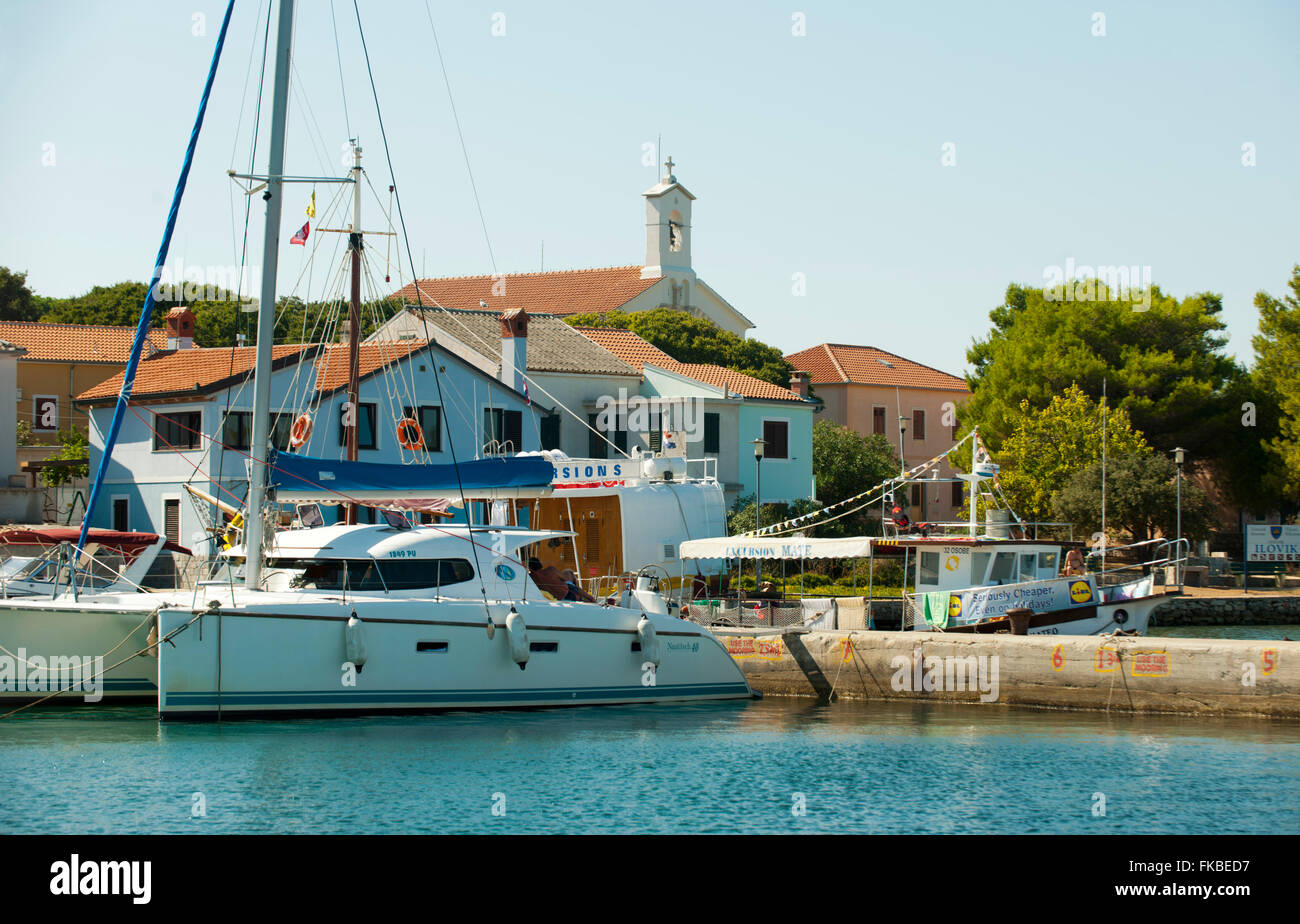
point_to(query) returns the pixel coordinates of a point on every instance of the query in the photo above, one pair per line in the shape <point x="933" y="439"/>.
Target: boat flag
<point x="311" y="206"/>
<point x="301" y="236"/>
<point x="528" y="402"/>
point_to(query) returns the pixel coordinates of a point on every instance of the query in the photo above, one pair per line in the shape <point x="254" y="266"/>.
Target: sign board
<point x="592" y="473"/>
<point x="1273" y="543"/>
<point x="1040" y="596"/>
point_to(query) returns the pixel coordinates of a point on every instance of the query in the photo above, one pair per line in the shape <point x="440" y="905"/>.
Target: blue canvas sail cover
<point x="304" y="479"/>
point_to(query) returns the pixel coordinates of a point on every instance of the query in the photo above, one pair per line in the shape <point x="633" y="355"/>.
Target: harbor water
<point x="770" y="766"/>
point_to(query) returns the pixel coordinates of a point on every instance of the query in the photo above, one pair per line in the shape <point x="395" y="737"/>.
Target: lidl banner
<point x="1273" y="543"/>
<point x="1040" y="596"/>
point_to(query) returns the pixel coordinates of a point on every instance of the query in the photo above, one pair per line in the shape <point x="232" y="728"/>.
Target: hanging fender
<point x="518" y="633"/>
<point x="354" y="642"/>
<point x="645" y="630"/>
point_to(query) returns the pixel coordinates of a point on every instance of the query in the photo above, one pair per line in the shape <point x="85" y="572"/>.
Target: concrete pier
<point x="1124" y="673"/>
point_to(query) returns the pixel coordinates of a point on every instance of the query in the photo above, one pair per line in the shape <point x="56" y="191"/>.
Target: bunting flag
<point x="311" y="206"/>
<point x="301" y="236"/>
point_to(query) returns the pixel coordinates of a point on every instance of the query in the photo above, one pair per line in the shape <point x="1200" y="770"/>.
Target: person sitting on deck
<point x="552" y="580"/>
<point x="1074" y="565"/>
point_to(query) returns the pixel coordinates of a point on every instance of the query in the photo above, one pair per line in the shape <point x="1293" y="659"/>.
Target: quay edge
<point x="1222" y="677"/>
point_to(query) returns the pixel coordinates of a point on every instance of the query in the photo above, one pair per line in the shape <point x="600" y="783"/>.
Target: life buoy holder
<point x="300" y="432"/>
<point x="409" y="434"/>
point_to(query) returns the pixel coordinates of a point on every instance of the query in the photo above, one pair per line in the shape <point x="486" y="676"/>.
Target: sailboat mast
<point x="354" y="319"/>
<point x="255" y="533"/>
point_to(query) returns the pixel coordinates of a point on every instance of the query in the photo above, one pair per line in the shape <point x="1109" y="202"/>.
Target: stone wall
<point x="1237" y="610"/>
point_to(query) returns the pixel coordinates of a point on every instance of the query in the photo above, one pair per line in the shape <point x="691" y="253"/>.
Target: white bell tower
<point x="668" y="230"/>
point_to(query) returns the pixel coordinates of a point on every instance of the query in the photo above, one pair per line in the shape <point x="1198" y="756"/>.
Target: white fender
<point x="518" y="633"/>
<point x="354" y="643"/>
<point x="645" y="629"/>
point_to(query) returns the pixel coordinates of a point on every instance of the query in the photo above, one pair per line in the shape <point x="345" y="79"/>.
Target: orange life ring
<point x="300" y="432"/>
<point x="409" y="434"/>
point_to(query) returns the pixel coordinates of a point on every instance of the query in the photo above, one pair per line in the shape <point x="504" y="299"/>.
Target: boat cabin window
<point x="367" y="574"/>
<point x="1027" y="570"/>
<point x="1046" y="564"/>
<point x="1004" y="568"/>
<point x="979" y="566"/>
<point x="929" y="573"/>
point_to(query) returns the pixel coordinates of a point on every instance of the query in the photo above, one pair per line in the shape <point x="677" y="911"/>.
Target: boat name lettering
<point x="683" y="646"/>
<point x="402" y="553"/>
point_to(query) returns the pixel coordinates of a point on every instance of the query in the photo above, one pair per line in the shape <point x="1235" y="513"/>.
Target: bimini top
<point x="422" y="542"/>
<point x="777" y="547"/>
<point x="304" y="479"/>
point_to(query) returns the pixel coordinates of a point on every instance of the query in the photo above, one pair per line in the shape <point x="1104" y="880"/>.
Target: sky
<point x="909" y="160"/>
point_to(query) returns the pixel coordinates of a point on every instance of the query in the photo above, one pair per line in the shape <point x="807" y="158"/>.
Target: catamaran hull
<point x="40" y="637"/>
<point x="250" y="663"/>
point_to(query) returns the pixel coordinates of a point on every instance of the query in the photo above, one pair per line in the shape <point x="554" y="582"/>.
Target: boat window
<point x="431" y="646"/>
<point x="929" y="573"/>
<point x="1004" y="568"/>
<point x="979" y="566"/>
<point x="1027" y="567"/>
<point x="370" y="575"/>
<point x="544" y="646"/>
<point x="1047" y="564"/>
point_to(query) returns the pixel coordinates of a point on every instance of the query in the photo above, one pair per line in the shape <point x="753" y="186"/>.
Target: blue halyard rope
<point x="146" y="313"/>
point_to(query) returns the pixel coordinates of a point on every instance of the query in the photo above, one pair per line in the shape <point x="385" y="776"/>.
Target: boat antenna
<point x="1103" y="475"/>
<point x="146" y="312"/>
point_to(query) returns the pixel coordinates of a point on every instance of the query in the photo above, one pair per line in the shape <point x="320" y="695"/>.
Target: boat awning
<point x="304" y="479"/>
<point x="777" y="547"/>
<point x="128" y="543"/>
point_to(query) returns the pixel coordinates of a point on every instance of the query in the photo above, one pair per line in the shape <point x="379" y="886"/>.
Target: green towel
<point x="936" y="608"/>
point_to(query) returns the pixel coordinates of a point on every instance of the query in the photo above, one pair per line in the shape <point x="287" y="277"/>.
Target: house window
<point x="916" y="496"/>
<point x="712" y="432"/>
<point x="957" y="496"/>
<point x="121" y="514"/>
<point x="367" y="437"/>
<point x="237" y="431"/>
<point x="172" y="519"/>
<point x="178" y="430"/>
<point x="550" y="431"/>
<point x="597" y="447"/>
<point x="776" y="433"/>
<point x="878" y="420"/>
<point x="429" y="416"/>
<point x="503" y="431"/>
<point x="655" y="438"/>
<point x="918" y="425"/>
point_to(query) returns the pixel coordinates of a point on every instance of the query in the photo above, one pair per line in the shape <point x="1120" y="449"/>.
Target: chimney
<point x="799" y="383"/>
<point x="514" y="347"/>
<point x="180" y="328"/>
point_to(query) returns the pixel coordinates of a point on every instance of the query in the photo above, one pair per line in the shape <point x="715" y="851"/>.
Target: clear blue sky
<point x="818" y="154"/>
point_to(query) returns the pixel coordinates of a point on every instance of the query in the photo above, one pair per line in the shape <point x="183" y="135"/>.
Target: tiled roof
<point x="831" y="363"/>
<point x="197" y="371"/>
<point x="332" y="368"/>
<point x="637" y="351"/>
<point x="553" y="346"/>
<point x="80" y="343"/>
<point x="560" y="293"/>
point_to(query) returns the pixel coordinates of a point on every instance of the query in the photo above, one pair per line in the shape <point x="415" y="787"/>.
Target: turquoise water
<point x="1256" y="632"/>
<point x="727" y="767"/>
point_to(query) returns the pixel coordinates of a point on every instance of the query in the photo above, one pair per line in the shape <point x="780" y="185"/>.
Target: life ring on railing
<point x="409" y="434"/>
<point x="300" y="432"/>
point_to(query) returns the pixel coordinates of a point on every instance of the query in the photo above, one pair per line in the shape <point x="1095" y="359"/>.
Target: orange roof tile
<point x="636" y="351"/>
<point x="560" y="293"/>
<point x="830" y="363"/>
<point x="79" y="343"/>
<point x="332" y="368"/>
<point x="192" y="372"/>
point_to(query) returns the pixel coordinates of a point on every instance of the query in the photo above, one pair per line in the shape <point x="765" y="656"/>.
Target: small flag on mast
<point x="311" y="206"/>
<point x="301" y="236"/>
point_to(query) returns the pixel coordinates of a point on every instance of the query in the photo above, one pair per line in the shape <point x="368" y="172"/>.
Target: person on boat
<point x="1074" y="565"/>
<point x="552" y="580"/>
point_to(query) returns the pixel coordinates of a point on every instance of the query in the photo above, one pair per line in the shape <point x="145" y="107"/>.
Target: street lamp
<point x="758" y="500"/>
<point x="1179" y="456"/>
<point x="902" y="434"/>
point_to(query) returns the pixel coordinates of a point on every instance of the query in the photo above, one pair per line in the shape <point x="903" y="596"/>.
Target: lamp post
<point x="1179" y="456"/>
<point x="902" y="458"/>
<point x="758" y="500"/>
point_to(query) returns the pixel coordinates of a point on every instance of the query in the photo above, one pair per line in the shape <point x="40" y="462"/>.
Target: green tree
<point x="1141" y="498"/>
<point x="691" y="339"/>
<point x="1164" y="366"/>
<point x="16" y="301"/>
<point x="1049" y="446"/>
<point x="1276" y="377"/>
<point x="117" y="305"/>
<point x="75" y="447"/>
<point x="846" y="464"/>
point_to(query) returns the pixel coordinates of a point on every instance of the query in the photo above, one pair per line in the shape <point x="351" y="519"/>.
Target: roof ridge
<point x="589" y="269"/>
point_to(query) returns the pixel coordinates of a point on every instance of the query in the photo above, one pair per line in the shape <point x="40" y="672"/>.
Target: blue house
<point x="190" y="422"/>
